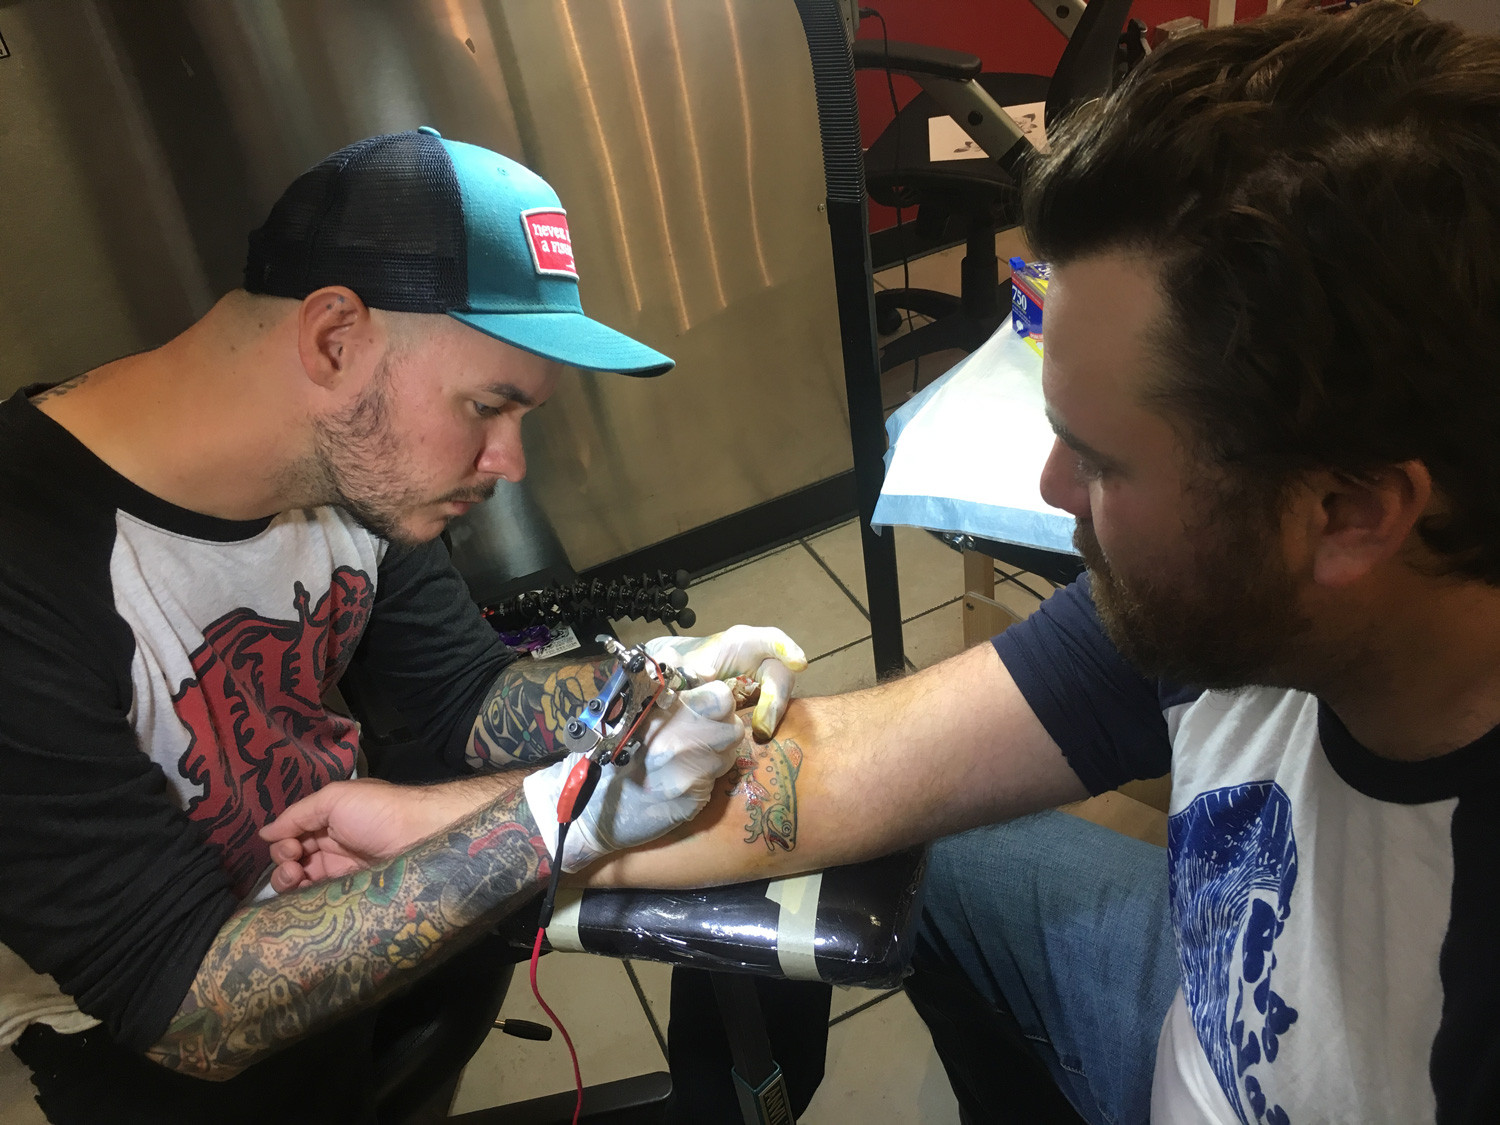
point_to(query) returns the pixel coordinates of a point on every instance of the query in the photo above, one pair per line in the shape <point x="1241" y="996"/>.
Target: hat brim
<point x="571" y="338"/>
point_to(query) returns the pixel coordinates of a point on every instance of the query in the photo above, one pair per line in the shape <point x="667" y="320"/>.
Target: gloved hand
<point x="687" y="746"/>
<point x="767" y="656"/>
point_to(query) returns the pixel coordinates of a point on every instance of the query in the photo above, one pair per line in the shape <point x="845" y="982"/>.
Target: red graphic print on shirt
<point x="260" y="735"/>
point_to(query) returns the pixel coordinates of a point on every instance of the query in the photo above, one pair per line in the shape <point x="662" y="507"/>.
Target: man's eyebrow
<point x="510" y="393"/>
<point x="1074" y="442"/>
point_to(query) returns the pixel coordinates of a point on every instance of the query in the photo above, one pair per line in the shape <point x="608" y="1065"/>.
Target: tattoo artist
<point x="200" y="539"/>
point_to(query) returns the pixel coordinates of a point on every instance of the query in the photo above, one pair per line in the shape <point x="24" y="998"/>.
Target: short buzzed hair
<point x="1323" y="195"/>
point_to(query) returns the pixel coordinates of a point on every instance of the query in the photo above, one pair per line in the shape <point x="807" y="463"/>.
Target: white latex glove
<point x="767" y="656"/>
<point x="687" y="746"/>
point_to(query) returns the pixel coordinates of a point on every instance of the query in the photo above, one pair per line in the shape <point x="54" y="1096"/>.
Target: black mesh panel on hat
<point x="382" y="216"/>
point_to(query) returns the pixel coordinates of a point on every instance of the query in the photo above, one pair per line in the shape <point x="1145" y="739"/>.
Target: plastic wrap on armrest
<point x="846" y="925"/>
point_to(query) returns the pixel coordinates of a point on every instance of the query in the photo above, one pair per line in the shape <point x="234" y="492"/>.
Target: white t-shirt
<point x="1332" y="909"/>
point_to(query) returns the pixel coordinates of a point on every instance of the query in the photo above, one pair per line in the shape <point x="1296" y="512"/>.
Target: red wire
<point x="536" y="953"/>
<point x="536" y="950"/>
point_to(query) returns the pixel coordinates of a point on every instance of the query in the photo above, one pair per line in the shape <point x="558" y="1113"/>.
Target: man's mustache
<point x="470" y="495"/>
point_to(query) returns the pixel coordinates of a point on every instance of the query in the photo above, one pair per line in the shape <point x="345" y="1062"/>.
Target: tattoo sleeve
<point x="281" y="969"/>
<point x="765" y="775"/>
<point x="528" y="705"/>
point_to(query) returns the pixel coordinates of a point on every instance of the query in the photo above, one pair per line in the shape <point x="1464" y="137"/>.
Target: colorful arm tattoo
<point x="283" y="968"/>
<point x="530" y="702"/>
<point x="767" y="778"/>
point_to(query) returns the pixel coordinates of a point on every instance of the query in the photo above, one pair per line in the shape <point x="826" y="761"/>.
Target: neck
<point x="208" y="421"/>
<point x="1425" y="679"/>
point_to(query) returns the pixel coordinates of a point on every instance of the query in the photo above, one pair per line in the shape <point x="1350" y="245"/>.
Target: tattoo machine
<point x="607" y="730"/>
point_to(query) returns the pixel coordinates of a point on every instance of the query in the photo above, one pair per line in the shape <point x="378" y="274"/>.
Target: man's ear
<point x="333" y="326"/>
<point x="1362" y="522"/>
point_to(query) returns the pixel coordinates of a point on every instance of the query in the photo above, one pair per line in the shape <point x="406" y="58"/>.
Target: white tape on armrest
<point x="797" y="924"/>
<point x="562" y="931"/>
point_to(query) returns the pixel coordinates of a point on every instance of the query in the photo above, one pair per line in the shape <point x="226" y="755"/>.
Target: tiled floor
<point x="880" y="1066"/>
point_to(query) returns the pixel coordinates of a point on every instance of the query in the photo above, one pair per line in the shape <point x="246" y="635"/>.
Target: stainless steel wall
<point x="141" y="139"/>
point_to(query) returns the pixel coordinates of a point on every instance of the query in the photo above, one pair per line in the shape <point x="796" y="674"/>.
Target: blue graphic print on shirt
<point x="1234" y="865"/>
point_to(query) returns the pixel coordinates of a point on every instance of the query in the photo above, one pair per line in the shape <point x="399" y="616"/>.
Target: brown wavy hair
<point x="1323" y="195"/>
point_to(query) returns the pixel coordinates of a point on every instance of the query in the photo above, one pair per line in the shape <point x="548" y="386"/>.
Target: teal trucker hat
<point x="415" y="223"/>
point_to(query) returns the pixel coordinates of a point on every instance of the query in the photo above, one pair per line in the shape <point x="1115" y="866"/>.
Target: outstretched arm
<point x="845" y="778"/>
<point x="283" y="968"/>
<point x="395" y="907"/>
<point x="851" y="777"/>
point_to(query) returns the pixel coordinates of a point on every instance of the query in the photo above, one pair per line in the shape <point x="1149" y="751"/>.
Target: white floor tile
<point x="928" y="571"/>
<point x="1019" y="599"/>
<point x="596" y="1003"/>
<point x="882" y="1068"/>
<point x="633" y="632"/>
<point x="656" y="983"/>
<point x="847" y="670"/>
<point x="935" y="636"/>
<point x="787" y="589"/>
<point x="847" y="996"/>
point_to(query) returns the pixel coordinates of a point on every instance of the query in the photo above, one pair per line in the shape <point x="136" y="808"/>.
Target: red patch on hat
<point x="551" y="245"/>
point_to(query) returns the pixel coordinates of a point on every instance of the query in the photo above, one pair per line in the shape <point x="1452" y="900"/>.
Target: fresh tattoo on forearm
<point x="289" y="966"/>
<point x="527" y="708"/>
<point x="766" y="776"/>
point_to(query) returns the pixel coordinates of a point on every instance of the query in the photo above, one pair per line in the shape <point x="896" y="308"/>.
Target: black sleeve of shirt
<point x="108" y="886"/>
<point x="1106" y="716"/>
<point x="429" y="649"/>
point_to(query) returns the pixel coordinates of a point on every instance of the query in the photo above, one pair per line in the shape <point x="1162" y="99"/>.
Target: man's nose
<point x="1062" y="487"/>
<point x="503" y="455"/>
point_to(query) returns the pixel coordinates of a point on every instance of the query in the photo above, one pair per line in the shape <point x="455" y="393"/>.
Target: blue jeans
<point x="1045" y="949"/>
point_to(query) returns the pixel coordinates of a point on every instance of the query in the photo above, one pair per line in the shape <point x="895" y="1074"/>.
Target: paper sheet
<point x="946" y="139"/>
<point x="966" y="454"/>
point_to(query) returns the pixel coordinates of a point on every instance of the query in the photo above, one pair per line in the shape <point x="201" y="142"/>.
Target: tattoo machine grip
<point x="576" y="791"/>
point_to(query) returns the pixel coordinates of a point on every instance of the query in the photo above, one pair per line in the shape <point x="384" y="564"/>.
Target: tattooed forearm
<point x="766" y="776"/>
<point x="529" y="703"/>
<point x="283" y="968"/>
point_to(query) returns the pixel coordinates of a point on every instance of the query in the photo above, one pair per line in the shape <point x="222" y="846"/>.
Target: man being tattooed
<point x="1272" y="333"/>
<point x="199" y="541"/>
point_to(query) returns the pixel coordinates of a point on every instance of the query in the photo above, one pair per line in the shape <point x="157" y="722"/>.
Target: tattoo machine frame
<point x="606" y="731"/>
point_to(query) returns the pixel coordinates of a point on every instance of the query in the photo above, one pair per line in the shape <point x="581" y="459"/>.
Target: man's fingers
<point x="713" y="700"/>
<point x="776" y="681"/>
<point x="288" y="851"/>
<point x="288" y="876"/>
<point x="786" y="650"/>
<point x="307" y="816"/>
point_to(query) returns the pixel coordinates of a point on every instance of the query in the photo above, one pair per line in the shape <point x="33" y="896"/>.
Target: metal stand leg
<point x="757" y="1077"/>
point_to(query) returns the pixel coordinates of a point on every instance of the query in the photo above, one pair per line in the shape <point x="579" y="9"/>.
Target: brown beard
<point x="361" y="462"/>
<point x="1231" y="620"/>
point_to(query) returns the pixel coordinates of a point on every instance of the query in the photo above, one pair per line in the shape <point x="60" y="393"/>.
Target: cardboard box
<point x="1028" y="292"/>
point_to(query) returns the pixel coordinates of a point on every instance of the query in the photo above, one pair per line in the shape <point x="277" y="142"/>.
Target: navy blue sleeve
<point x="1106" y="716"/>
<point x="429" y="650"/>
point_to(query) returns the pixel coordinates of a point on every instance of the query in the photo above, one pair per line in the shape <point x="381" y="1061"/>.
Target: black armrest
<point x="857" y="925"/>
<point x="916" y="59"/>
